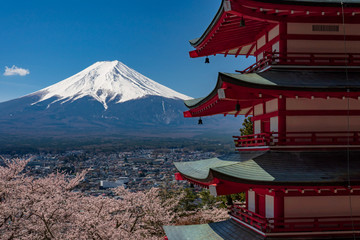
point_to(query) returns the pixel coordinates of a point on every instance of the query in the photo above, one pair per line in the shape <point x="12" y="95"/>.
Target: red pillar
<point x="283" y="40"/>
<point x="247" y="199"/>
<point x="278" y="207"/>
<point x="282" y="118"/>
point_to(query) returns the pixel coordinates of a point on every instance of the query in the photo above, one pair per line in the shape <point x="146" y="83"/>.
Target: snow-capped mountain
<point x="107" y="98"/>
<point x="106" y="81"/>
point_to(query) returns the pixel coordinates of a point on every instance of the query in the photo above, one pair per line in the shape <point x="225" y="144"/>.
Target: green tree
<point x="188" y="202"/>
<point x="237" y="197"/>
<point x="247" y="127"/>
<point x="206" y="198"/>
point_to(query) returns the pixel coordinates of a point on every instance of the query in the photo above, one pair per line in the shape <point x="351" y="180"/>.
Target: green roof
<point x="276" y="168"/>
<point x="225" y="230"/>
<point x="248" y="169"/>
<point x="296" y="79"/>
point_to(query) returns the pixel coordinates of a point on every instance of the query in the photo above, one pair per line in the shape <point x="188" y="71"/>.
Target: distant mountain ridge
<point x="106" y="98"/>
<point x="106" y="81"/>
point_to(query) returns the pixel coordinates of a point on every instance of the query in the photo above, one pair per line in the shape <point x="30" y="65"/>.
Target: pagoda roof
<point x="224" y="35"/>
<point x="274" y="168"/>
<point x="249" y="88"/>
<point x="224" y="230"/>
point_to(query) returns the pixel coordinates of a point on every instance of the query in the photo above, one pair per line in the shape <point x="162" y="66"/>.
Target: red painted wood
<point x="251" y="111"/>
<point x="250" y="50"/>
<point x="278" y="204"/>
<point x="217" y="24"/>
<point x="225" y="187"/>
<point x="287" y="8"/>
<point x="260" y="204"/>
<point x="322" y="37"/>
<point x="239" y="10"/>
<point x="249" y="97"/>
<point x="178" y="176"/>
<point x="282" y="41"/>
<point x="267" y="46"/>
<point x="226" y="34"/>
<point x="282" y="115"/>
<point x="238" y="51"/>
<point x="300" y="224"/>
<point x="302" y="59"/>
<point x="298" y="139"/>
<point x="265" y="116"/>
<point x="265" y="125"/>
<point x="322" y="112"/>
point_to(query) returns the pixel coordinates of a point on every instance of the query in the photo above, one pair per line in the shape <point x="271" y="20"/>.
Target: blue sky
<point x="56" y="39"/>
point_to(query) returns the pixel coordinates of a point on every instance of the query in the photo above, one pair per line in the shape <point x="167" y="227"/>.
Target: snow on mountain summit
<point x="107" y="81"/>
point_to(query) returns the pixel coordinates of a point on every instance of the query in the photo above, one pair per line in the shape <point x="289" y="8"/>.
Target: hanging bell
<point x="207" y="60"/>
<point x="200" y="121"/>
<point x="242" y="22"/>
<point x="237" y="107"/>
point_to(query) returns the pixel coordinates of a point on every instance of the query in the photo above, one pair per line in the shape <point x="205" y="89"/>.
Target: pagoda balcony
<point x="304" y="60"/>
<point x="292" y="225"/>
<point x="276" y="140"/>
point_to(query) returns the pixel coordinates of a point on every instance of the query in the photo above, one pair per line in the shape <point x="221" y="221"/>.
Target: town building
<point x="121" y="182"/>
<point x="300" y="169"/>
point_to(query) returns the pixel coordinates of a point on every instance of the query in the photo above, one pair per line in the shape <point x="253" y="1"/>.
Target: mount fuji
<point x="108" y="97"/>
<point x="106" y="82"/>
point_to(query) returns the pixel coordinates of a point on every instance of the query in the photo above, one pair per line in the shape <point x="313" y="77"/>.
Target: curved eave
<point x="213" y="25"/>
<point x="245" y="90"/>
<point x="272" y="168"/>
<point x="224" y="35"/>
<point x="243" y="183"/>
<point x="228" y="229"/>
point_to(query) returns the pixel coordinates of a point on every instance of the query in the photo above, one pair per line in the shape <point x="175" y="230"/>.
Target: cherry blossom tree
<point x="49" y="208"/>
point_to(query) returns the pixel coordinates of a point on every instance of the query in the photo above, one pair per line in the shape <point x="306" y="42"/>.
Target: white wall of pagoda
<point x="322" y="123"/>
<point x="316" y="38"/>
<point x="321" y="206"/>
<point x="308" y="38"/>
<point x="270" y="106"/>
<point x="258" y="110"/>
<point x="322" y="104"/>
<point x="320" y="29"/>
<point x="257" y="127"/>
<point x="314" y="115"/>
<point x="269" y="206"/>
<point x="308" y="115"/>
<point x="314" y="46"/>
<point x="251" y="200"/>
<point x="274" y="124"/>
<point x="268" y="42"/>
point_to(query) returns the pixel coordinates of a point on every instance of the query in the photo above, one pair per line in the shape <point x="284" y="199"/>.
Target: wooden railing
<point x="259" y="65"/>
<point x="298" y="139"/>
<point x="314" y="59"/>
<point x="300" y="224"/>
<point x="304" y="59"/>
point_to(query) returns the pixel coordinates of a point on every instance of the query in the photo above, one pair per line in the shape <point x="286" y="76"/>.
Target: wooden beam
<point x="250" y="50"/>
<point x="251" y="111"/>
<point x="238" y="51"/>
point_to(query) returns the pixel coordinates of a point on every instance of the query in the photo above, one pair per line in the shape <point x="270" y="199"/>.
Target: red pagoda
<point x="300" y="169"/>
